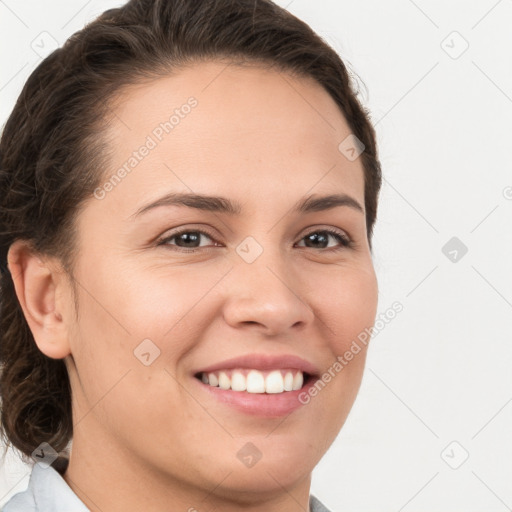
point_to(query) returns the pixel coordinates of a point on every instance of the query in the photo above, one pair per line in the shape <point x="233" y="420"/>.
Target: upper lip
<point x="263" y="362"/>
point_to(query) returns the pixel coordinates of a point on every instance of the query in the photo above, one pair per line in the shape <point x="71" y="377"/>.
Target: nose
<point x="267" y="293"/>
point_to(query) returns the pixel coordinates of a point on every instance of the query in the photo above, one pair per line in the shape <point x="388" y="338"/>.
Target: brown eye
<point x="189" y="240"/>
<point x="186" y="239"/>
<point x="321" y="237"/>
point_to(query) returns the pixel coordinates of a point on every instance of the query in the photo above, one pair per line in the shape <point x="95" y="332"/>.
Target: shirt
<point x="47" y="491"/>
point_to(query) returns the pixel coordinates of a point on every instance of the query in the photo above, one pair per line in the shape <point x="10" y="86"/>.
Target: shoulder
<point x="316" y="505"/>
<point x="46" y="490"/>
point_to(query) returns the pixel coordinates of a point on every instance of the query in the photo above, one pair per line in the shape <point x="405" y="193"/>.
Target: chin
<point x="275" y="464"/>
<point x="247" y="485"/>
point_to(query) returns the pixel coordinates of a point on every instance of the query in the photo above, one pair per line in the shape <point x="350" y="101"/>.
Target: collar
<point x="47" y="490"/>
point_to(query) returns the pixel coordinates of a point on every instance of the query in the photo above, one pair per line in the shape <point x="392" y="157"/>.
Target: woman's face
<point x="265" y="283"/>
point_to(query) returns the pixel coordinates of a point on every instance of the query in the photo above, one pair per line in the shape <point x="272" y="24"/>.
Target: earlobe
<point x="36" y="283"/>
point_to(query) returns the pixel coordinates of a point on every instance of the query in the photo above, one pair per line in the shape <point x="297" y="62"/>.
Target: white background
<point x="441" y="370"/>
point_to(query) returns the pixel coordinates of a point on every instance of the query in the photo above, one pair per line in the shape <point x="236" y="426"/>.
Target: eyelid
<point x="348" y="242"/>
<point x="334" y="231"/>
<point x="186" y="229"/>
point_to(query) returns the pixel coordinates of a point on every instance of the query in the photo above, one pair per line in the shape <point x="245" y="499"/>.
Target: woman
<point x="188" y="193"/>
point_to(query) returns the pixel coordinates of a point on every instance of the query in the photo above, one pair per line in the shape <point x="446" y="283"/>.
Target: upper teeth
<point x="255" y="381"/>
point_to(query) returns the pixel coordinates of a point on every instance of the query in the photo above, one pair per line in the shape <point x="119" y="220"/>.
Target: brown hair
<point x="52" y="151"/>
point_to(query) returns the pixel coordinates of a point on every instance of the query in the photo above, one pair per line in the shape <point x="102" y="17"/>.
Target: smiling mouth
<point x="256" y="381"/>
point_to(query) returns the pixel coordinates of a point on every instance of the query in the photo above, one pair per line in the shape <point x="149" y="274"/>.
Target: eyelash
<point x="345" y="241"/>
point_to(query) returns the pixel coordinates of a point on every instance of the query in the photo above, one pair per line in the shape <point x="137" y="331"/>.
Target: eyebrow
<point x="223" y="205"/>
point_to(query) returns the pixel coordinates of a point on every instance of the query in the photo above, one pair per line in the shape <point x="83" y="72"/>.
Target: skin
<point x="144" y="437"/>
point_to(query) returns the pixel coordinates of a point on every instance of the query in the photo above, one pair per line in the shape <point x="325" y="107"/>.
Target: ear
<point x="39" y="285"/>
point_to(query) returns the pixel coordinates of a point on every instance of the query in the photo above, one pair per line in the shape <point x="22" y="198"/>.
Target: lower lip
<point x="269" y="405"/>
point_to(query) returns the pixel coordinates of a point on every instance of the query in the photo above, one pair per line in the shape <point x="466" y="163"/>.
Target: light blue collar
<point x="46" y="491"/>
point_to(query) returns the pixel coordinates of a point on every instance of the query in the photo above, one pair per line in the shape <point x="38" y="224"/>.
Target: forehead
<point x="216" y="127"/>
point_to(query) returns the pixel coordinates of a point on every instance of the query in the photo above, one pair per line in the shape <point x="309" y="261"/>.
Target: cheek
<point x="172" y="303"/>
<point x="122" y="306"/>
<point x="346" y="302"/>
<point x="143" y="301"/>
<point x="346" y="306"/>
